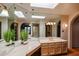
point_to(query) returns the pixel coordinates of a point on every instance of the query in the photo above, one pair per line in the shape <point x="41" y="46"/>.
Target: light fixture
<point x="4" y="13"/>
<point x="40" y="17"/>
<point x="50" y="23"/>
<point x="19" y="14"/>
<point x="54" y="23"/>
<point x="65" y="25"/>
<point x="44" y="5"/>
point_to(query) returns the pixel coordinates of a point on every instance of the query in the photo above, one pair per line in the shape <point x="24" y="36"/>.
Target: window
<point x="44" y="5"/>
<point x="19" y="14"/>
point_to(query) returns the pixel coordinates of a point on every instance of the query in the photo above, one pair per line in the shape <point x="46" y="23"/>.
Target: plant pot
<point x="8" y="44"/>
<point x="24" y="42"/>
<point x="12" y="43"/>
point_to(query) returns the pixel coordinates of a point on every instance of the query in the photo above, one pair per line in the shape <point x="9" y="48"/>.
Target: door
<point x="35" y="30"/>
<point x="48" y="30"/>
<point x="75" y="34"/>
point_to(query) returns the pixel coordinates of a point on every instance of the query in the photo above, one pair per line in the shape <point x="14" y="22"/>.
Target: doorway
<point x="0" y="30"/>
<point x="48" y="30"/>
<point x="14" y="26"/>
<point x="35" y="30"/>
<point x="59" y="29"/>
<point x="75" y="33"/>
<point x="26" y="27"/>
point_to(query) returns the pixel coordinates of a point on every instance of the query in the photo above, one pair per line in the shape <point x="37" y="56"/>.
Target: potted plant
<point x="24" y="36"/>
<point x="8" y="37"/>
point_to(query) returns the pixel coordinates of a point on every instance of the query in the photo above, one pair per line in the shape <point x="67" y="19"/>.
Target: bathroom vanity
<point x="53" y="46"/>
<point x="47" y="45"/>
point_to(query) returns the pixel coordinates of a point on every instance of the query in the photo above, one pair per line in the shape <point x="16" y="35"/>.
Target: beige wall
<point x="67" y="19"/>
<point x="71" y="19"/>
<point x="4" y="25"/>
<point x="64" y="30"/>
<point x="42" y="29"/>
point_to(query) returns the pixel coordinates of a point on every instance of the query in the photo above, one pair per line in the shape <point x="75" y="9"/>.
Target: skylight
<point x="19" y="14"/>
<point x="4" y="13"/>
<point x="44" y="5"/>
<point x="39" y="17"/>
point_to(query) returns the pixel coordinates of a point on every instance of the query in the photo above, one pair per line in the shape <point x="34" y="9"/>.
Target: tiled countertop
<point x="22" y="50"/>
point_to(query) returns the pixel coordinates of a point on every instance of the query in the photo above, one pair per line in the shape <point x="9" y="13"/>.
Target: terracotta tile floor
<point x="72" y="52"/>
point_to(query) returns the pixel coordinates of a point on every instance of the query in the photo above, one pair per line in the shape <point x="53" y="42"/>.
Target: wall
<point x="42" y="28"/>
<point x="4" y="23"/>
<point x="10" y="21"/>
<point x="67" y="19"/>
<point x="64" y="30"/>
<point x="71" y="19"/>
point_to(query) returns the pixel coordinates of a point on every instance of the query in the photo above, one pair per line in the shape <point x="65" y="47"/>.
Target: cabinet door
<point x="44" y="49"/>
<point x="64" y="47"/>
<point x="51" y="49"/>
<point x="58" y="48"/>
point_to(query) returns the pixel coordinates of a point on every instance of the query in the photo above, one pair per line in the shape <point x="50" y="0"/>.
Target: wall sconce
<point x="65" y="25"/>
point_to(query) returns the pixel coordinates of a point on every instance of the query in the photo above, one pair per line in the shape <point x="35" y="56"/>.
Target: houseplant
<point x="7" y="37"/>
<point x="24" y="36"/>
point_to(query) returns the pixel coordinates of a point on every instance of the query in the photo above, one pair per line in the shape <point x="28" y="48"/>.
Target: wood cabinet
<point x="64" y="47"/>
<point x="44" y="49"/>
<point x="53" y="48"/>
<point x="58" y="48"/>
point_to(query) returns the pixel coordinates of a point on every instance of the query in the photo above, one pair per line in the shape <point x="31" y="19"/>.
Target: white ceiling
<point x="60" y="9"/>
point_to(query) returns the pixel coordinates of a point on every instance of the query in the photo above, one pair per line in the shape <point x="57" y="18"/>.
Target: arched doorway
<point x="59" y="29"/>
<point x="14" y="26"/>
<point x="75" y="32"/>
<point x="25" y="26"/>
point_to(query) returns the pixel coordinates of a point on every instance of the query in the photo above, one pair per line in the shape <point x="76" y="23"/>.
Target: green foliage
<point x="24" y="35"/>
<point x="9" y="35"/>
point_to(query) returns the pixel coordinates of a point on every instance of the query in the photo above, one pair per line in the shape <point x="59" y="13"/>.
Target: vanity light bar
<point x="50" y="23"/>
<point x="40" y="17"/>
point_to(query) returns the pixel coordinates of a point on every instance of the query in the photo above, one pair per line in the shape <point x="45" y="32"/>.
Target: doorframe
<point x="59" y="24"/>
<point x="70" y="29"/>
<point x="1" y="30"/>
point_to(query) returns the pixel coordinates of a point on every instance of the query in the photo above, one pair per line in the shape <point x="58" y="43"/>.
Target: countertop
<point x="22" y="50"/>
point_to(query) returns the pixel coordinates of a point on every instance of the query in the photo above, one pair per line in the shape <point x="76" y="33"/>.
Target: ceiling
<point x="60" y="9"/>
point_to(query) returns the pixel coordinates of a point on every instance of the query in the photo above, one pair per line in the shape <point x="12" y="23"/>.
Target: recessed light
<point x="40" y="17"/>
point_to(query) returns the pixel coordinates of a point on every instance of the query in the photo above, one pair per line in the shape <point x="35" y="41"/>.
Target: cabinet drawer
<point x="64" y="47"/>
<point x="58" y="48"/>
<point x="44" y="51"/>
<point x="51" y="50"/>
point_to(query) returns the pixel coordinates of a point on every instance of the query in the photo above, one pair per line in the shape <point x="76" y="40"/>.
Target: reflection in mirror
<point x="19" y="17"/>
